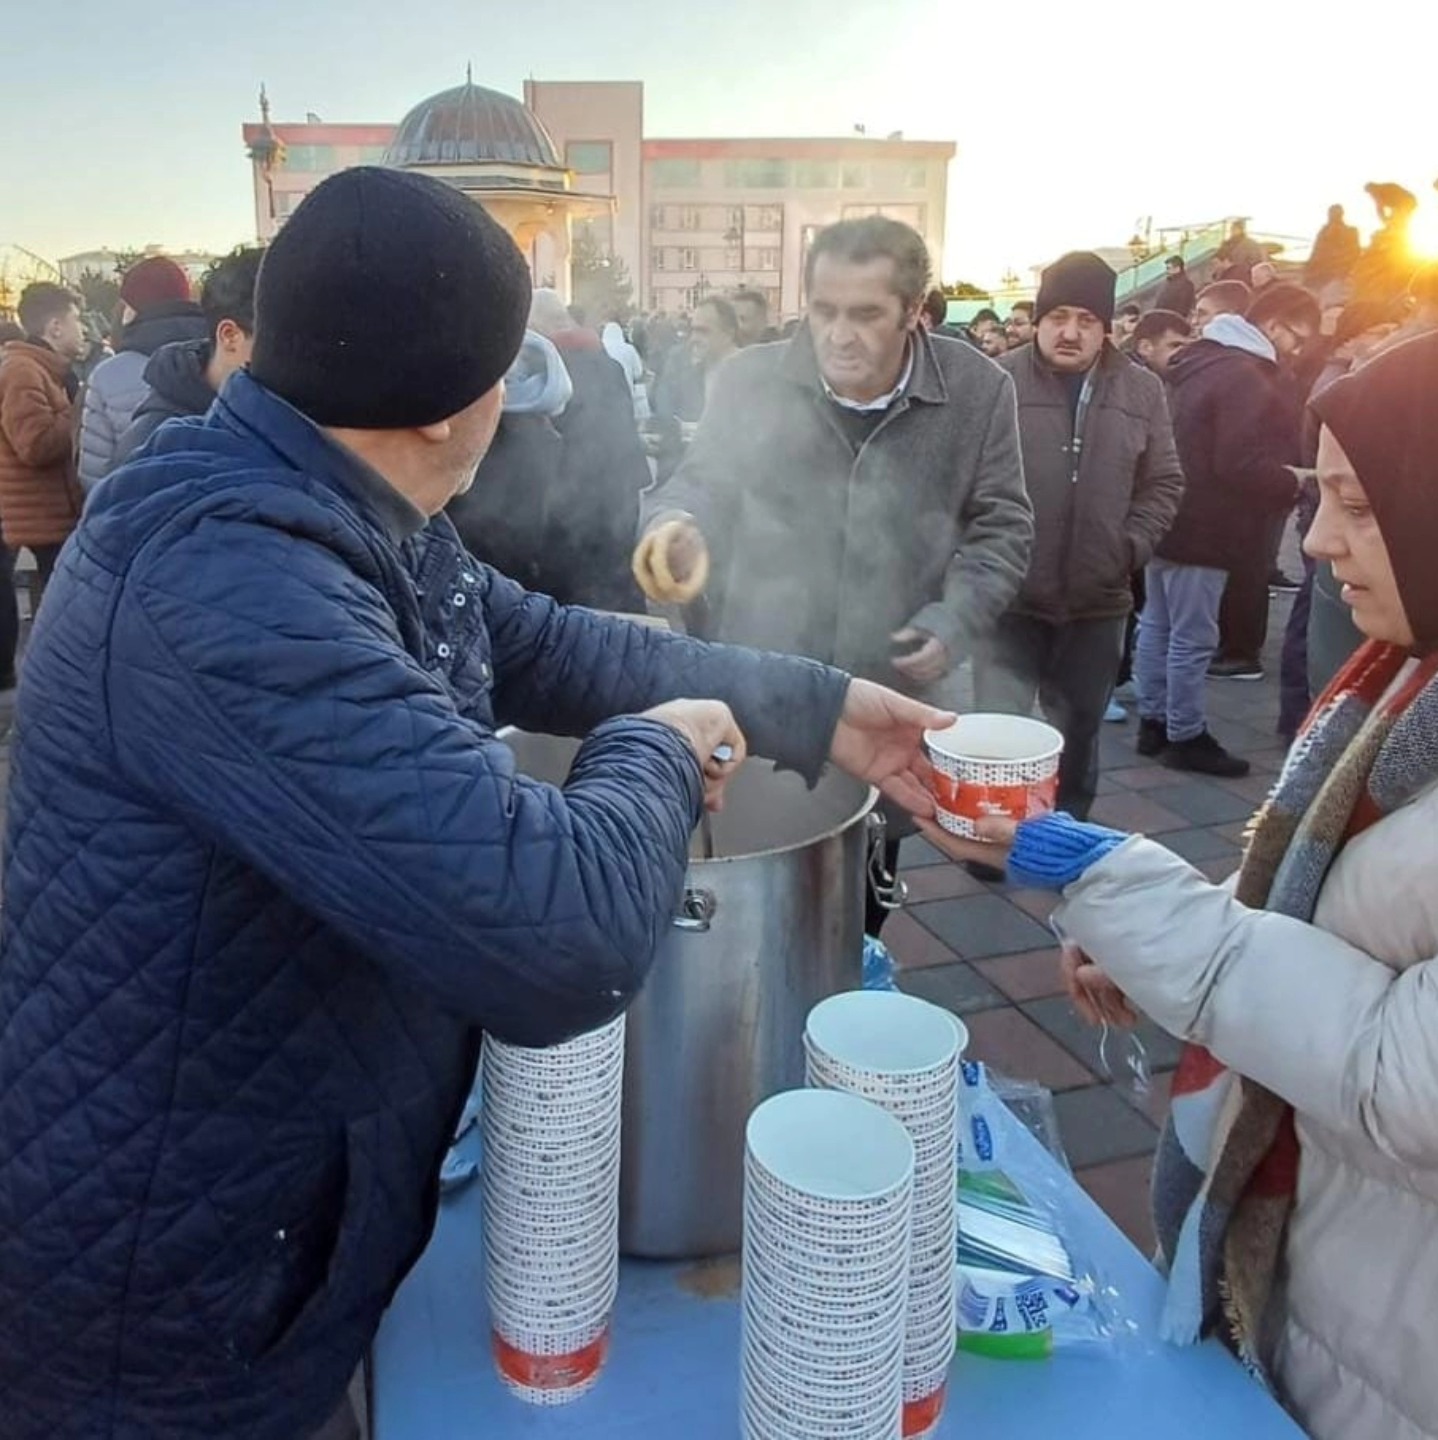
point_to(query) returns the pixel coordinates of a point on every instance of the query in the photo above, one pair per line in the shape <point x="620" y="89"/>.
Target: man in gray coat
<point x="856" y="494"/>
<point x="1105" y="482"/>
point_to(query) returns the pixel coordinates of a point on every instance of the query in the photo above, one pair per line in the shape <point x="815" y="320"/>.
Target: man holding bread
<point x="856" y="495"/>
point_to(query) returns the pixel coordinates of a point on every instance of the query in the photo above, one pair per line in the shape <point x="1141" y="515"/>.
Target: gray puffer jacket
<point x="118" y="387"/>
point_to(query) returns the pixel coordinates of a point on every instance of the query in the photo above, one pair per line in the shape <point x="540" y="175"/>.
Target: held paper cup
<point x="986" y="765"/>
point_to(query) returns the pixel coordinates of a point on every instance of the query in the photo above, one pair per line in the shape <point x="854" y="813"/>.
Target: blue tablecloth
<point x="674" y="1363"/>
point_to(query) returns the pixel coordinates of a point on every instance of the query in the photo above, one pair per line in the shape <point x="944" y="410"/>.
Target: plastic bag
<point x="879" y="968"/>
<point x="1025" y="1287"/>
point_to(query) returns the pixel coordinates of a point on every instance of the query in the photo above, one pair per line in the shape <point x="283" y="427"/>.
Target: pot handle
<point x="696" y="910"/>
<point x="889" y="890"/>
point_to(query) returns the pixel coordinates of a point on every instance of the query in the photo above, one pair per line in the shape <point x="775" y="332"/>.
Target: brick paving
<point x="983" y="950"/>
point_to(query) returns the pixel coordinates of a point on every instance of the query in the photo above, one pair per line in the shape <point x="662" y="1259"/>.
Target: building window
<point x="732" y="259"/>
<point x="916" y="177"/>
<point x="310" y="159"/>
<point x="766" y="218"/>
<point x="734" y="218"/>
<point x="675" y="175"/>
<point x="657" y="217"/>
<point x="286" y="202"/>
<point x="692" y="298"/>
<point x="756" y="175"/>
<point x="766" y="259"/>
<point x="854" y="177"/>
<point x="689" y="218"/>
<point x="816" y="175"/>
<point x="589" y="157"/>
<point x="688" y="259"/>
<point x="656" y="258"/>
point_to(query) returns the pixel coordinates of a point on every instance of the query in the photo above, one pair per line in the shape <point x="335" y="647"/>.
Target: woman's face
<point x="1346" y="534"/>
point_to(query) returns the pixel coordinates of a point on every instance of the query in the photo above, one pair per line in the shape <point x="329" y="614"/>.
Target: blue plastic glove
<point x="1053" y="851"/>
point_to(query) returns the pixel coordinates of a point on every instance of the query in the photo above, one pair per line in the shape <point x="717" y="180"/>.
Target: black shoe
<point x="1152" y="737"/>
<point x="989" y="874"/>
<point x="1282" y="584"/>
<point x="1235" y="670"/>
<point x="1204" y="756"/>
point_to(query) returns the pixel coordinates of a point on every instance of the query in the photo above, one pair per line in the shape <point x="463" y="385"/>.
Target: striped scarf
<point x="1227" y="1167"/>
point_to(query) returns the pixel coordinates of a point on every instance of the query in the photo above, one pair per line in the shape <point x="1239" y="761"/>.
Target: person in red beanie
<point x="156" y="309"/>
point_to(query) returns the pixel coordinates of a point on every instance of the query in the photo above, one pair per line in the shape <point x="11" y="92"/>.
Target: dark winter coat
<point x="268" y="874"/>
<point x="1093" y="530"/>
<point x="1177" y="293"/>
<point x="178" y="387"/>
<point x="1236" y="424"/>
<point x="823" y="544"/>
<point x="117" y="388"/>
<point x="555" y="503"/>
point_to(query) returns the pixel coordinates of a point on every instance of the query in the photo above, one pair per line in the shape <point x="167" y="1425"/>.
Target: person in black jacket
<point x="1236" y="429"/>
<point x="1177" y="292"/>
<point x="556" y="502"/>
<point x="185" y="376"/>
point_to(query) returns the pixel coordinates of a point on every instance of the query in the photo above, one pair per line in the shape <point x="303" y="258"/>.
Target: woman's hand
<point x="1096" y="998"/>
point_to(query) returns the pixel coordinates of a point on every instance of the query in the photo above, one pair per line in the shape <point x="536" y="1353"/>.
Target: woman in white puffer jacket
<point x="1296" y="1189"/>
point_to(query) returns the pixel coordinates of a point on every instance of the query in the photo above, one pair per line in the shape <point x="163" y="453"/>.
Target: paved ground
<point x="985" y="952"/>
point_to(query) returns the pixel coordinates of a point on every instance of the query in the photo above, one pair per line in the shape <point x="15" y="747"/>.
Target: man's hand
<point x="712" y="732"/>
<point x="925" y="658"/>
<point x="880" y="740"/>
<point x="671" y="563"/>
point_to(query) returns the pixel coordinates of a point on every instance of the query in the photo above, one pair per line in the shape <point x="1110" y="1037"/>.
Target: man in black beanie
<point x="270" y="873"/>
<point x="1103" y="476"/>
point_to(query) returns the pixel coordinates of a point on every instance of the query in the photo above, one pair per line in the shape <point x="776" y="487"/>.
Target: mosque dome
<point x="471" y="125"/>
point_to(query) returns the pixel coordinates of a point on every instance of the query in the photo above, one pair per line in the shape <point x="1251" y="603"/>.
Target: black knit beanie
<point x="388" y="301"/>
<point x="1079" y="279"/>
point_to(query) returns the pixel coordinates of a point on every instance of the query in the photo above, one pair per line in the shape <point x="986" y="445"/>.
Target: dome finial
<point x="469" y="73"/>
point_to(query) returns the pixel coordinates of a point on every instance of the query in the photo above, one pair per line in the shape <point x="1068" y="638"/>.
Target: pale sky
<point x="119" y="125"/>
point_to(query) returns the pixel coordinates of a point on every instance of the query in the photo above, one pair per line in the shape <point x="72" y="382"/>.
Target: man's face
<point x="709" y="342"/>
<point x="1289" y="338"/>
<point x="753" y="321"/>
<point x="66" y="335"/>
<point x="994" y="341"/>
<point x="1125" y="325"/>
<point x="1070" y="339"/>
<point x="1158" y="354"/>
<point x="471" y="433"/>
<point x="1020" y="327"/>
<point x="860" y="326"/>
<point x="1204" y="311"/>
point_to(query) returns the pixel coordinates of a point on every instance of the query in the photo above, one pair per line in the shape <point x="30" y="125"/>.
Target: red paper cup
<point x="988" y="765"/>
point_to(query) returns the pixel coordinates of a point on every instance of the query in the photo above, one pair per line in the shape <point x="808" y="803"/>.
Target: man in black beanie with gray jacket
<point x="269" y="871"/>
<point x="1104" y="480"/>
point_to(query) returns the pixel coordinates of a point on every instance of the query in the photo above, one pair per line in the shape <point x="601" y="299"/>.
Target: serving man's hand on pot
<point x="713" y="733"/>
<point x="880" y="739"/>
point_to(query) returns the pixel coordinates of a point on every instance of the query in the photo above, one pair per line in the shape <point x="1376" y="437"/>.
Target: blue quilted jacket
<point x="268" y="876"/>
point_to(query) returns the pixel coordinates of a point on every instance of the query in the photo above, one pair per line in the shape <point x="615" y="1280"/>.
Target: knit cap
<point x="388" y="301"/>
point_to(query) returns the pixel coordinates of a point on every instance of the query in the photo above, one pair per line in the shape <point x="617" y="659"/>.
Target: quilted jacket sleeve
<point x="282" y="720"/>
<point x="39" y="434"/>
<point x="98" y="435"/>
<point x="1340" y="1036"/>
<point x="566" y="670"/>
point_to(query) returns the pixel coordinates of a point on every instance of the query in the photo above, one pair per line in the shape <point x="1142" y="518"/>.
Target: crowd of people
<point x="304" y="543"/>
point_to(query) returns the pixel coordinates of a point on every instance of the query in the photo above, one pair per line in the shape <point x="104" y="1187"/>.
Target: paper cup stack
<point x="903" y="1054"/>
<point x="551" y="1209"/>
<point x="827" y="1190"/>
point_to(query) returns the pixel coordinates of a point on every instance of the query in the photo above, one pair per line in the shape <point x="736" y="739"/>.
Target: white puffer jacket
<point x="1340" y="1018"/>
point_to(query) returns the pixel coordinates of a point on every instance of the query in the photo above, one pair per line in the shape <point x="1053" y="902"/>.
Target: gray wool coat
<point x="822" y="546"/>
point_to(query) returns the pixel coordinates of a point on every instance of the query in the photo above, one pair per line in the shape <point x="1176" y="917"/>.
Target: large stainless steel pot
<point x="766" y="929"/>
